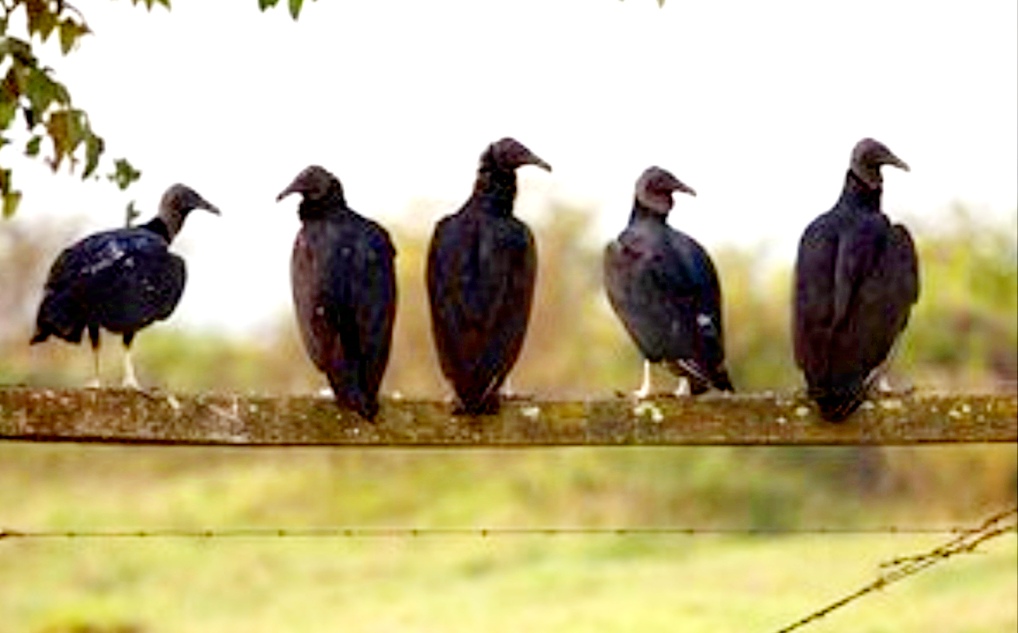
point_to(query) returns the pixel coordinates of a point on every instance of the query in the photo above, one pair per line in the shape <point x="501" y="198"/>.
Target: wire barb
<point x="903" y="567"/>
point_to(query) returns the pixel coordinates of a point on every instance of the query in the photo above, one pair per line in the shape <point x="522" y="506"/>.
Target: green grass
<point x="499" y="583"/>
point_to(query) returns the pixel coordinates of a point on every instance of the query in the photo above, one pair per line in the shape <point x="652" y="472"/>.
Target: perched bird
<point x="481" y="267"/>
<point x="121" y="280"/>
<point x="344" y="290"/>
<point x="856" y="278"/>
<point x="663" y="286"/>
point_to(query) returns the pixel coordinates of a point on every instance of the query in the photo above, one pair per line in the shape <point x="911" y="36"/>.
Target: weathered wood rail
<point x="124" y="416"/>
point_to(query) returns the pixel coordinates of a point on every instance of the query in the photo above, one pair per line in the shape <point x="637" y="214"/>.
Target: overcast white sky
<point x="754" y="104"/>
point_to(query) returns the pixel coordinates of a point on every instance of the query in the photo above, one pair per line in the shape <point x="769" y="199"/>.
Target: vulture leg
<point x="130" y="379"/>
<point x="682" y="390"/>
<point x="645" y="388"/>
<point x="507" y="389"/>
<point x="884" y="385"/>
<point x="93" y="337"/>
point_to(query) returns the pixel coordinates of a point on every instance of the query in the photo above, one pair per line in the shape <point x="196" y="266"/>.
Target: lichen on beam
<point x="155" y="417"/>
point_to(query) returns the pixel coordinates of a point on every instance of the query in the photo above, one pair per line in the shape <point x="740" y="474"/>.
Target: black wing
<point x="480" y="276"/>
<point x="122" y="280"/>
<point x="883" y="297"/>
<point x="855" y="286"/>
<point x="344" y="290"/>
<point x="665" y="290"/>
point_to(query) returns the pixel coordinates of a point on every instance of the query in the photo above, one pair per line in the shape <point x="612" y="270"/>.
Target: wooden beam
<point x="124" y="416"/>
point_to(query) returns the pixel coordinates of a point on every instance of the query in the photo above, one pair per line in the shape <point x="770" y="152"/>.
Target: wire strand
<point x="455" y="532"/>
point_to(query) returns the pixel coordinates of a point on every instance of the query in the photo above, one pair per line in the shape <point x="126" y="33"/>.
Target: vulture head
<point x="314" y="183"/>
<point x="508" y="154"/>
<point x="177" y="202"/>
<point x="868" y="156"/>
<point x="654" y="189"/>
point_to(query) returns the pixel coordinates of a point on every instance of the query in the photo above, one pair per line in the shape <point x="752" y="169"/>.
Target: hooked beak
<point x="684" y="188"/>
<point x="537" y="162"/>
<point x="293" y="187"/>
<point x="893" y="160"/>
<point x="208" y="206"/>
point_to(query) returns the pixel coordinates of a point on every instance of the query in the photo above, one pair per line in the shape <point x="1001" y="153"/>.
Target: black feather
<point x="481" y="270"/>
<point x="856" y="279"/>
<point x="344" y="290"/>
<point x="120" y="280"/>
<point x="663" y="286"/>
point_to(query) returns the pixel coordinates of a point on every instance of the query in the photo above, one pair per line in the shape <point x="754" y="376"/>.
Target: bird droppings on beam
<point x="154" y="417"/>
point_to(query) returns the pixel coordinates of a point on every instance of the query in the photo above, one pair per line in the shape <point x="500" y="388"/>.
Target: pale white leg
<point x="682" y="389"/>
<point x="130" y="380"/>
<point x="884" y="385"/>
<point x="507" y="388"/>
<point x="645" y="388"/>
<point x="94" y="382"/>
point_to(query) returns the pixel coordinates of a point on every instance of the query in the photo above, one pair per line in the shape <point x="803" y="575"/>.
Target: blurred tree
<point x="964" y="332"/>
<point x="44" y="104"/>
<point x="28" y="89"/>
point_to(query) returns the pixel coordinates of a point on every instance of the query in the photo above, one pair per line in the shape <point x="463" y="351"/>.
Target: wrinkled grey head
<point x="314" y="183"/>
<point x="508" y="153"/>
<point x="177" y="202"/>
<point x="654" y="189"/>
<point x="868" y="156"/>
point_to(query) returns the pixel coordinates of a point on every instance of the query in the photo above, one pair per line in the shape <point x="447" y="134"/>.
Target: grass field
<point x="504" y="583"/>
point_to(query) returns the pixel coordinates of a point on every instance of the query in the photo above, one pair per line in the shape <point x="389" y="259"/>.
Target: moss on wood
<point x="124" y="416"/>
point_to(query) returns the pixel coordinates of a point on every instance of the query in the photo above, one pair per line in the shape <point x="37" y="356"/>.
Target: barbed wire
<point x="442" y="532"/>
<point x="905" y="566"/>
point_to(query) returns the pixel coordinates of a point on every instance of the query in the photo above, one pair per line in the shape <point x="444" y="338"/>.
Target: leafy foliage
<point x="44" y="104"/>
<point x="294" y="5"/>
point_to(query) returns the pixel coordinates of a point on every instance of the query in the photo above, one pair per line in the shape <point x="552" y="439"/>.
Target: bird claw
<point x="682" y="390"/>
<point x="130" y="382"/>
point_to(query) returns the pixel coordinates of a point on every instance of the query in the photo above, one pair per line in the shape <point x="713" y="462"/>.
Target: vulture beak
<point x="894" y="161"/>
<point x="293" y="187"/>
<point x="684" y="188"/>
<point x="537" y="162"/>
<point x="208" y="206"/>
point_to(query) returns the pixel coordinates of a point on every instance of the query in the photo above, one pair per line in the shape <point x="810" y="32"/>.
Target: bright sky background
<point x="756" y="105"/>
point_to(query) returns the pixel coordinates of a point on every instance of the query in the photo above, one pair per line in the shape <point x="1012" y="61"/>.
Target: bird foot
<point x="130" y="382"/>
<point x="645" y="387"/>
<point x="884" y="388"/>
<point x="682" y="390"/>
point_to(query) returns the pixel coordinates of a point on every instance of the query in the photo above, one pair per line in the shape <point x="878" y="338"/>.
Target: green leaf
<point x="5" y="181"/>
<point x="131" y="214"/>
<point x="70" y="33"/>
<point x="295" y="8"/>
<point x="124" y="173"/>
<point x="66" y="130"/>
<point x="265" y="4"/>
<point x="13" y="82"/>
<point x="94" y="146"/>
<point x="32" y="146"/>
<point x="41" y="19"/>
<point x="41" y="90"/>
<point x="20" y="50"/>
<point x="8" y="108"/>
<point x="11" y="201"/>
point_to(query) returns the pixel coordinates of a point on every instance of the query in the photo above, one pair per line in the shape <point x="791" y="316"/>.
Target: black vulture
<point x="121" y="280"/>
<point x="344" y="290"/>
<point x="481" y="267"/>
<point x="856" y="279"/>
<point x="664" y="288"/>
